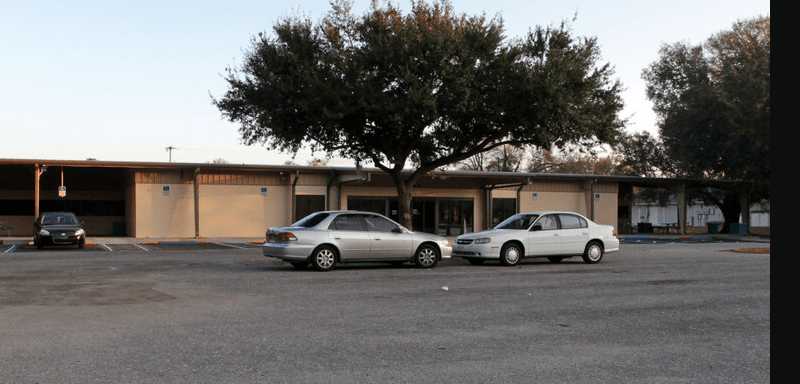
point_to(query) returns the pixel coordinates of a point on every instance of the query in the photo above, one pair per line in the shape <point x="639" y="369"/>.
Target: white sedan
<point x="555" y="235"/>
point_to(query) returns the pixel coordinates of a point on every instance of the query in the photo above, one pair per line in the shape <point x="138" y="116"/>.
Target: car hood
<point x="61" y="227"/>
<point x="489" y="233"/>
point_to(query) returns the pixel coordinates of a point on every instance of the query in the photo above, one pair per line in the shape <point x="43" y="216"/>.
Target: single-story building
<point x="190" y="200"/>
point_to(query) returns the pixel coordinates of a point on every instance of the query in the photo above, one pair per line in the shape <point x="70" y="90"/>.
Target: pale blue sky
<point x="121" y="80"/>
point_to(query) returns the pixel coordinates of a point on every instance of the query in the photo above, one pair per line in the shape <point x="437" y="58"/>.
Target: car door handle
<point x="584" y="233"/>
<point x="337" y="238"/>
<point x="376" y="239"/>
<point x="555" y="234"/>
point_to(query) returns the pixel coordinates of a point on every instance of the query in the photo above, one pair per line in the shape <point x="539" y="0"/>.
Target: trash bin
<point x="644" y="227"/>
<point x="738" y="228"/>
<point x="714" y="227"/>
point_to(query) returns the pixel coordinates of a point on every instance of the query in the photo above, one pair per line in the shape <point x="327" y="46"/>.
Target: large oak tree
<point x="713" y="107"/>
<point x="413" y="92"/>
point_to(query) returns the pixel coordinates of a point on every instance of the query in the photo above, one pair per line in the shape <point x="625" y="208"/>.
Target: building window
<point x="305" y="205"/>
<point x="455" y="217"/>
<point x="503" y="208"/>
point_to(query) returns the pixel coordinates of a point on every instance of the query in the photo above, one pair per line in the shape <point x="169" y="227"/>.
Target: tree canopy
<point x="414" y="92"/>
<point x="712" y="103"/>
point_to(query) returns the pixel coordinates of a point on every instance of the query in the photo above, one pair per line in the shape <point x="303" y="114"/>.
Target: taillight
<point x="283" y="237"/>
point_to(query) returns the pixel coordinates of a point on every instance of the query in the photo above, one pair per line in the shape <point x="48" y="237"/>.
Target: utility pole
<point x="170" y="149"/>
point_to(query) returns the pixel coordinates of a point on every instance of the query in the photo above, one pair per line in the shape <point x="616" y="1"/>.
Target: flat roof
<point x="519" y="177"/>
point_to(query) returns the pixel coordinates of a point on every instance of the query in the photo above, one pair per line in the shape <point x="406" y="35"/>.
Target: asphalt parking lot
<point x="653" y="313"/>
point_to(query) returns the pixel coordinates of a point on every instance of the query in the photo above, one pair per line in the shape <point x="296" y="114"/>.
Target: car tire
<point x="475" y="261"/>
<point x="324" y="258"/>
<point x="555" y="259"/>
<point x="81" y="244"/>
<point x="510" y="254"/>
<point x="427" y="256"/>
<point x="299" y="265"/>
<point x="593" y="252"/>
<point x="38" y="244"/>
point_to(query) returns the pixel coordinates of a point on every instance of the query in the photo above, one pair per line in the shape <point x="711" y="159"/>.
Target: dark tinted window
<point x="349" y="223"/>
<point x="379" y="224"/>
<point x="58" y="219"/>
<point x="311" y="220"/>
<point x="571" y="222"/>
<point x="308" y="204"/>
<point x="519" y="221"/>
<point x="503" y="208"/>
<point x="548" y="222"/>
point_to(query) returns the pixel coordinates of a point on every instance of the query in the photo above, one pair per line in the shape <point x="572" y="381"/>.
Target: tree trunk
<point x="404" y="191"/>
<point x="730" y="210"/>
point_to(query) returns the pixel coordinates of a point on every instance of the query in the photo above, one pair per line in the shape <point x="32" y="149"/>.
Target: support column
<point x="589" y="198"/>
<point x="36" y="175"/>
<point x="196" y="185"/>
<point x="487" y="212"/>
<point x="293" y="196"/>
<point x="681" y="202"/>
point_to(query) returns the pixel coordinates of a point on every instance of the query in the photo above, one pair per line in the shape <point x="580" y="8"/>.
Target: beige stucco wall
<point x="164" y="214"/>
<point x="564" y="196"/>
<point x="242" y="210"/>
<point x="475" y="194"/>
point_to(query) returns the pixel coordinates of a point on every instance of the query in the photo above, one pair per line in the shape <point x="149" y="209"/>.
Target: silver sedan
<point x="323" y="239"/>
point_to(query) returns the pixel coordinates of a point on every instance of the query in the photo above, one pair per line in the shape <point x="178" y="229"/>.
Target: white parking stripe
<point x="228" y="245"/>
<point x="106" y="247"/>
<point x="140" y="247"/>
<point x="10" y="249"/>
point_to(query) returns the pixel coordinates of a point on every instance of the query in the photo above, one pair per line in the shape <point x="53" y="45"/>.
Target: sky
<point x="122" y="80"/>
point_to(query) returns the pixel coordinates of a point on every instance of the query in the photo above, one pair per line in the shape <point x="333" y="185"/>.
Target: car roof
<point x="550" y="212"/>
<point x="58" y="213"/>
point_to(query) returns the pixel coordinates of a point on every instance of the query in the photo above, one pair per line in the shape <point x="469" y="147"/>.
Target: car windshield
<point x="59" y="218"/>
<point x="311" y="220"/>
<point x="518" y="221"/>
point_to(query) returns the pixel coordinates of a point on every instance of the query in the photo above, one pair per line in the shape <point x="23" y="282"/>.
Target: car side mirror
<point x="537" y="227"/>
<point x="397" y="230"/>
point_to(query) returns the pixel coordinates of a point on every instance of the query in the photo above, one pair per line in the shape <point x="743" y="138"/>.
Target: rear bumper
<point x="611" y="245"/>
<point x="287" y="251"/>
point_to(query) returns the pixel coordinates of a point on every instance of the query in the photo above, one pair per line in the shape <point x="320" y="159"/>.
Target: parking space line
<point x="228" y="245"/>
<point x="106" y="247"/>
<point x="10" y="249"/>
<point x="140" y="247"/>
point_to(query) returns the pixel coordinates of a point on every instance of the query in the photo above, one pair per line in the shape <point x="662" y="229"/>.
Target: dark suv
<point x="58" y="228"/>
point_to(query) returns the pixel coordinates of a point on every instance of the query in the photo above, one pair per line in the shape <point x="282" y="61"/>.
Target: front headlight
<point x="444" y="243"/>
<point x="80" y="232"/>
<point x="44" y="232"/>
<point x="484" y="240"/>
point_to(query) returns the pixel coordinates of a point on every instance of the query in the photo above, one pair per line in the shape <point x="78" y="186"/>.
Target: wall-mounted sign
<point x="62" y="191"/>
<point x="535" y="195"/>
<point x="264" y="191"/>
<point x="165" y="188"/>
<point x="596" y="195"/>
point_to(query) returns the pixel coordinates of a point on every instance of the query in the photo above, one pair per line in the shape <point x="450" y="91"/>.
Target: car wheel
<point x="475" y="261"/>
<point x="510" y="254"/>
<point x="593" y="252"/>
<point x="38" y="244"/>
<point x="427" y="256"/>
<point x="299" y="265"/>
<point x="324" y="258"/>
<point x="555" y="259"/>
